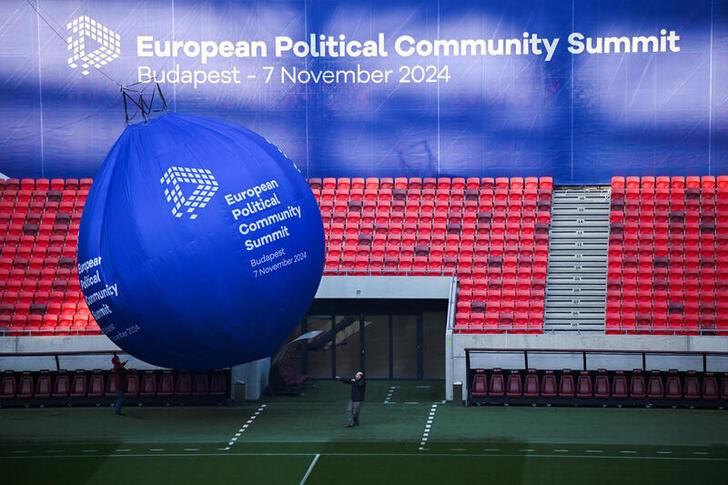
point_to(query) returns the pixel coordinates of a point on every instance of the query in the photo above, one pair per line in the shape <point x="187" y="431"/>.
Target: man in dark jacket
<point x="358" y="386"/>
<point x="118" y="374"/>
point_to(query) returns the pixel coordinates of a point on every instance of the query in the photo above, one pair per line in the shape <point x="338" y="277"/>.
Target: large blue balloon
<point x="201" y="245"/>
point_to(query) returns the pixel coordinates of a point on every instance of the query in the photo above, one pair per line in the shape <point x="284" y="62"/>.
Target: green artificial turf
<point x="279" y="442"/>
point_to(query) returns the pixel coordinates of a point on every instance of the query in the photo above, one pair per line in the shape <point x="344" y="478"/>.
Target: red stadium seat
<point x="96" y="385"/>
<point x="710" y="387"/>
<point x="619" y="386"/>
<point x="566" y="384"/>
<point x="61" y="385"/>
<point x="496" y="386"/>
<point x="692" y="386"/>
<point x="183" y="385"/>
<point x="531" y="387"/>
<point x="514" y="386"/>
<point x="201" y="385"/>
<point x="78" y="385"/>
<point x="655" y="386"/>
<point x="637" y="385"/>
<point x="479" y="386"/>
<point x="673" y="389"/>
<point x="548" y="385"/>
<point x="132" y="383"/>
<point x="149" y="384"/>
<point x="43" y="386"/>
<point x="166" y="384"/>
<point x="218" y="384"/>
<point x="601" y="384"/>
<point x="584" y="386"/>
<point x="8" y="385"/>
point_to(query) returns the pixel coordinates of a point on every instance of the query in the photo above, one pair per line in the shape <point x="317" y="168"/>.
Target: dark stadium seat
<point x="110" y="387"/>
<point x="514" y="386"/>
<point x="25" y="386"/>
<point x="655" y="386"/>
<point x="710" y="387"/>
<point x="619" y="385"/>
<point x="548" y="384"/>
<point x="61" y="385"/>
<point x="531" y="384"/>
<point x="43" y="385"/>
<point x="496" y="386"/>
<point x="166" y="384"/>
<point x="8" y="385"/>
<point x="673" y="389"/>
<point x="183" y="385"/>
<point x="584" y="386"/>
<point x="566" y="384"/>
<point x="201" y="385"/>
<point x="601" y="384"/>
<point x="132" y="383"/>
<point x="79" y="384"/>
<point x="218" y="384"/>
<point x="148" y="386"/>
<point x="96" y="384"/>
<point x="479" y="386"/>
<point x="637" y="388"/>
<point x="692" y="386"/>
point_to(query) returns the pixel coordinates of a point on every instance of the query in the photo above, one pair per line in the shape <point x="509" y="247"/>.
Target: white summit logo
<point x="205" y="188"/>
<point x="93" y="44"/>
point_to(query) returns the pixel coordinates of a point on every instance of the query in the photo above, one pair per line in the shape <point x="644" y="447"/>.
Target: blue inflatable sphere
<point x="201" y="245"/>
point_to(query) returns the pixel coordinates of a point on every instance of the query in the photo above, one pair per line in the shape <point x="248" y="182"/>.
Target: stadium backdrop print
<point x="201" y="245"/>
<point x="108" y="44"/>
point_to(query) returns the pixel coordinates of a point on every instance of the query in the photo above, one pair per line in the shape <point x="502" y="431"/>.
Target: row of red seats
<point x="508" y="245"/>
<point x="43" y="229"/>
<point x="646" y="227"/>
<point x="45" y="184"/>
<point x="473" y="217"/>
<point x="654" y="388"/>
<point x="431" y="199"/>
<point x="37" y="198"/>
<point x="471" y="183"/>
<point x="47" y="386"/>
<point x="450" y="246"/>
<point x="670" y="324"/>
<point x="665" y="182"/>
<point x="48" y="325"/>
<point x="494" y="321"/>
<point x="41" y="296"/>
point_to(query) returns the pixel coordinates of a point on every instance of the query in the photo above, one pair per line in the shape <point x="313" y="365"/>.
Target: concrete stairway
<point x="576" y="282"/>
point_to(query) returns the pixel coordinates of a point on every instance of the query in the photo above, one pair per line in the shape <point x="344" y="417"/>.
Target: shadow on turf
<point x="61" y="470"/>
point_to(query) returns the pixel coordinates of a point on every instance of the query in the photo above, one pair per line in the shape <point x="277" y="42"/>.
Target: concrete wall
<point x="385" y="287"/>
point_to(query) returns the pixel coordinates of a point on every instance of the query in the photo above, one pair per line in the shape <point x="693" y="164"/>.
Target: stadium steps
<point x="576" y="279"/>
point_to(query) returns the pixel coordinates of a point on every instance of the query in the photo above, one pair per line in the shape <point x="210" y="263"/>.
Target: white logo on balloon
<point x="109" y="44"/>
<point x="206" y="186"/>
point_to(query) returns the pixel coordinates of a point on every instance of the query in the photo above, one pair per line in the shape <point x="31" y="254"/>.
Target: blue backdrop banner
<point x="580" y="90"/>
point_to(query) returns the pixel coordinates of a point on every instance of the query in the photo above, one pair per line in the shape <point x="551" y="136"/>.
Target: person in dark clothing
<point x="358" y="386"/>
<point x="118" y="374"/>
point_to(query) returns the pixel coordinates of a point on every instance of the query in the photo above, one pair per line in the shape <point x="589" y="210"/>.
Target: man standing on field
<point x="358" y="386"/>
